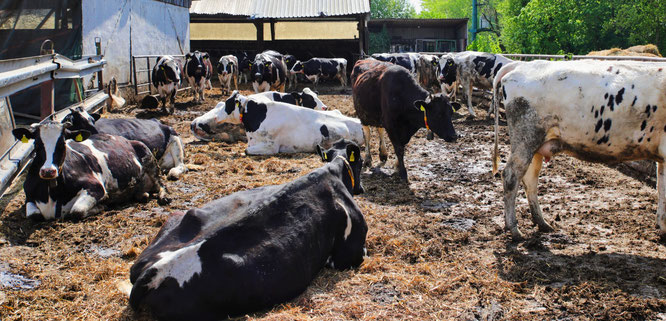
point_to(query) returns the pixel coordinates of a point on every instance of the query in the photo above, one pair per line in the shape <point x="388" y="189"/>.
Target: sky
<point x="416" y="4"/>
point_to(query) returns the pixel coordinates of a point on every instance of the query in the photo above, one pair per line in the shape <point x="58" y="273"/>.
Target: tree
<point x="383" y="9"/>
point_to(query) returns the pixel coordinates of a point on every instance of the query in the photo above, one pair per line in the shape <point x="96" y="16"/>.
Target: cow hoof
<point x="367" y="162"/>
<point x="430" y="135"/>
<point x="163" y="200"/>
<point x="517" y="236"/>
<point x="546" y="228"/>
<point x="383" y="158"/>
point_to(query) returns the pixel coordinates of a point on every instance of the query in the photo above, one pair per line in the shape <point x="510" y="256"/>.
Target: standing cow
<point x="227" y="71"/>
<point x="166" y="78"/>
<point x="244" y="66"/>
<point x="253" y="249"/>
<point x="471" y="68"/>
<point x="407" y="60"/>
<point x="289" y="62"/>
<point x="327" y="68"/>
<point x="74" y="173"/>
<point x="198" y="71"/>
<point x="269" y="72"/>
<point x="427" y="67"/>
<point x="598" y="111"/>
<point x="389" y="97"/>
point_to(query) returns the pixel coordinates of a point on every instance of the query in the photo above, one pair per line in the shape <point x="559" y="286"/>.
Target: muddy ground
<point x="437" y="248"/>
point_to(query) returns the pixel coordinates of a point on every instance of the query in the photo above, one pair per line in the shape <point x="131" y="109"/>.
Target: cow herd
<point x="263" y="246"/>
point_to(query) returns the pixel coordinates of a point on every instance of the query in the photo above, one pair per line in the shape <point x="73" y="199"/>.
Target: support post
<point x="475" y="20"/>
<point x="98" y="51"/>
<point x="260" y="35"/>
<point x="46" y="107"/>
<point x="272" y="30"/>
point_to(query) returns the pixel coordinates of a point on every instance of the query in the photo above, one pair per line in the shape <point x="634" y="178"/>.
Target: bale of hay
<point x="647" y="49"/>
<point x="643" y="50"/>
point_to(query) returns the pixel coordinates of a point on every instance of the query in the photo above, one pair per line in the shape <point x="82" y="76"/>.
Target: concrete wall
<point x="133" y="27"/>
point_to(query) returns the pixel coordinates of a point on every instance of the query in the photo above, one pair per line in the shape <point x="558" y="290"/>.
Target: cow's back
<point x="151" y="132"/>
<point x="366" y="91"/>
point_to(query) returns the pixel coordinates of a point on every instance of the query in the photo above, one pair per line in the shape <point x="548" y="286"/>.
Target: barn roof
<point x="260" y="9"/>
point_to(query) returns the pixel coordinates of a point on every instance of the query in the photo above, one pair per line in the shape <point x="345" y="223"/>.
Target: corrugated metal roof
<point x="280" y="8"/>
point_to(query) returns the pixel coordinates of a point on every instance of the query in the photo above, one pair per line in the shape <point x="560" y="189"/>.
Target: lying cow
<point x="219" y="123"/>
<point x="166" y="78"/>
<point x="269" y="72"/>
<point x="327" y="68"/>
<point x="275" y="127"/>
<point x="389" y="97"/>
<point x="253" y="249"/>
<point x="471" y="68"/>
<point x="198" y="71"/>
<point x="162" y="140"/>
<point x="227" y="71"/>
<point x="598" y="111"/>
<point x="73" y="174"/>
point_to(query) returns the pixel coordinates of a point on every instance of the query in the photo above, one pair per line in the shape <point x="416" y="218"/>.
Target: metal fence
<point x="144" y="62"/>
<point x="526" y="57"/>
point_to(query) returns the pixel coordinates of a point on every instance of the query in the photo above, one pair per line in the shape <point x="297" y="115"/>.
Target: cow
<point x="227" y="71"/>
<point x="244" y="66"/>
<point x="269" y="72"/>
<point x="275" y="127"/>
<point x="407" y="60"/>
<point x="327" y="68"/>
<point x="597" y="111"/>
<point x="166" y="78"/>
<point x="198" y="71"/>
<point x="427" y="67"/>
<point x="219" y="122"/>
<point x="253" y="249"/>
<point x="161" y="140"/>
<point x="289" y="62"/>
<point x="471" y="68"/>
<point x="74" y="174"/>
<point x="388" y="96"/>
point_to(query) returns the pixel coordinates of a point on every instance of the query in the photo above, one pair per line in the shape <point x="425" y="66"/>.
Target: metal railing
<point x="524" y="57"/>
<point x="138" y="81"/>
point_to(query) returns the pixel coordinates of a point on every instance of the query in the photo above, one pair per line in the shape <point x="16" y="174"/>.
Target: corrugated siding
<point x="280" y="8"/>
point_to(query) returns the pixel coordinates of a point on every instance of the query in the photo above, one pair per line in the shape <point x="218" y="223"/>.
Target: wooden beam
<point x="272" y="30"/>
<point x="260" y="35"/>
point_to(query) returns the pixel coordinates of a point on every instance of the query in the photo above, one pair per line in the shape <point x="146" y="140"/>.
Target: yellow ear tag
<point x="351" y="157"/>
<point x="78" y="138"/>
<point x="325" y="156"/>
<point x="422" y="108"/>
<point x="24" y="139"/>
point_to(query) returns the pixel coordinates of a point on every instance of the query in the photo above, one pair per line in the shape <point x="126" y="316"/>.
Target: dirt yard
<point x="437" y="249"/>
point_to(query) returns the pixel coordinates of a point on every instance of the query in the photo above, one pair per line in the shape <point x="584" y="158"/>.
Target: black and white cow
<point x="244" y="67"/>
<point x="326" y="68"/>
<point x="166" y="78"/>
<point x="198" y="71"/>
<point x="407" y="60"/>
<point x="387" y="96"/>
<point x="269" y="72"/>
<point x="471" y="68"/>
<point x="427" y="67"/>
<point x="161" y="140"/>
<point x="289" y="62"/>
<point x="73" y="174"/>
<point x="598" y="111"/>
<point x="253" y="249"/>
<point x="227" y="71"/>
<point x="218" y="123"/>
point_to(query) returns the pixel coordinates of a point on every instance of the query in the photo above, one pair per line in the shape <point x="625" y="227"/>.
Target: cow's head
<point x="79" y="118"/>
<point x="289" y="61"/>
<point x="225" y="66"/>
<point x="297" y="67"/>
<point x="228" y="111"/>
<point x="169" y="67"/>
<point x="351" y="153"/>
<point x="262" y="69"/>
<point x="309" y="99"/>
<point x="447" y="70"/>
<point x="244" y="63"/>
<point x="50" y="148"/>
<point x="195" y="63"/>
<point x="437" y="112"/>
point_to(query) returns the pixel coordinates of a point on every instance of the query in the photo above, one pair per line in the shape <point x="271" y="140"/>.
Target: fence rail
<point x="138" y="82"/>
<point x="581" y="57"/>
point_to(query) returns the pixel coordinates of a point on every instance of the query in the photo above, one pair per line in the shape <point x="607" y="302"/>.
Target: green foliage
<point x="379" y="42"/>
<point x="486" y="42"/>
<point x="382" y="9"/>
<point x="445" y="9"/>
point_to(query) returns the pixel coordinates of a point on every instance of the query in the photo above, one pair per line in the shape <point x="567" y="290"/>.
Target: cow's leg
<point x="661" y="202"/>
<point x="399" y="137"/>
<point x="467" y="86"/>
<point x="383" y="152"/>
<point x="513" y="173"/>
<point x="173" y="100"/>
<point x="85" y="201"/>
<point x="366" y="136"/>
<point x="31" y="210"/>
<point x="174" y="158"/>
<point x="262" y="149"/>
<point x="281" y="87"/>
<point x="235" y="78"/>
<point x="530" y="182"/>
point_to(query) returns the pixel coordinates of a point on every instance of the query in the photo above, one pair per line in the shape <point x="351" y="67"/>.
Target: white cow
<point x="227" y="71"/>
<point x="599" y="111"/>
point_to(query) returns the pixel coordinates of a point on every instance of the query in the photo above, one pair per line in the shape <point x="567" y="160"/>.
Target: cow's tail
<point x="497" y="85"/>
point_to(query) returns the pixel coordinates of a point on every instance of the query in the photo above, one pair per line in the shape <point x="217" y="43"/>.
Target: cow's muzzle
<point x="48" y="173"/>
<point x="258" y="77"/>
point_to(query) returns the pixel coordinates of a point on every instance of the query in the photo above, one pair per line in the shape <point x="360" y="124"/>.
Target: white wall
<point x="151" y="27"/>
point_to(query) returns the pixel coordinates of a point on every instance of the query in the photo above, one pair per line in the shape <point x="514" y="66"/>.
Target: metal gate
<point x="141" y="75"/>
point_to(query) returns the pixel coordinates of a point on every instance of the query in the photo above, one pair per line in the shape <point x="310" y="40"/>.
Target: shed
<point x="423" y="35"/>
<point x="305" y="28"/>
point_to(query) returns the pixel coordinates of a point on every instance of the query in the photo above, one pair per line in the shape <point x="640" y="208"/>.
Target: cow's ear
<point x="96" y="116"/>
<point x="188" y="55"/>
<point x="353" y="154"/>
<point x="24" y="134"/>
<point x="321" y="153"/>
<point x="420" y="105"/>
<point x="455" y="106"/>
<point x="77" y="135"/>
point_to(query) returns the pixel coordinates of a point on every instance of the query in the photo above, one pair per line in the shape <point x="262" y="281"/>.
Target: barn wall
<point x="143" y="27"/>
